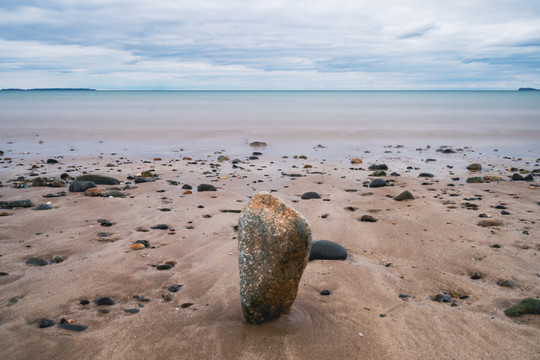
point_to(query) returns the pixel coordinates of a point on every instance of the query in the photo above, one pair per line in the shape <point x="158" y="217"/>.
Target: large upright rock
<point x="273" y="250"/>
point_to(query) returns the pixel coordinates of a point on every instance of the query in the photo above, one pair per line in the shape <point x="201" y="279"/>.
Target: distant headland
<point x="528" y="89"/>
<point x="51" y="89"/>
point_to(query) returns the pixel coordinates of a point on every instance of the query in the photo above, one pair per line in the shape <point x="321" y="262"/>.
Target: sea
<point x="154" y="122"/>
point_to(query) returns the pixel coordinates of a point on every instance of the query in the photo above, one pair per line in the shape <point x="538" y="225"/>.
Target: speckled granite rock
<point x="273" y="250"/>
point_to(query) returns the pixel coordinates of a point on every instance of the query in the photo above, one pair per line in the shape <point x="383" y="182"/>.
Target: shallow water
<point x="345" y="121"/>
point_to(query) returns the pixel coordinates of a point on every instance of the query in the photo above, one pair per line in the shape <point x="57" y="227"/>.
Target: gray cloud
<point x="270" y="44"/>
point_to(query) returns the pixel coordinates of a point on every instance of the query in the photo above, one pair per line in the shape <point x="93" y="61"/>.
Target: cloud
<point x="250" y="44"/>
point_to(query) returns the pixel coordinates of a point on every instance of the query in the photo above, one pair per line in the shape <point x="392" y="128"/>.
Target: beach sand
<point x="423" y="247"/>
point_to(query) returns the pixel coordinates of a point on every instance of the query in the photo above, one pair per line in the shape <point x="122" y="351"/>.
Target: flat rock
<point x="517" y="177"/>
<point x="36" y="261"/>
<point x="45" y="323"/>
<point x="378" y="167"/>
<point x="98" y="179"/>
<point x="525" y="306"/>
<point x="43" y="207"/>
<point x="81" y="186"/>
<point x="368" y="218"/>
<point x="474" y="167"/>
<point x="426" y="175"/>
<point x="475" y="179"/>
<point x="327" y="250"/>
<point x="26" y="203"/>
<point x="310" y="195"/>
<point x="72" y="327"/>
<point x="375" y="183"/>
<point x="103" y="301"/>
<point x="442" y="298"/>
<point x="206" y="187"/>
<point x="144" y="179"/>
<point x="115" y="193"/>
<point x="93" y="192"/>
<point x="406" y="195"/>
<point x="506" y="283"/>
<point x="273" y="251"/>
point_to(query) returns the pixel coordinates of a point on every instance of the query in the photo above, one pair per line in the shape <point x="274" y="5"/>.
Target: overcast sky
<point x="270" y="44"/>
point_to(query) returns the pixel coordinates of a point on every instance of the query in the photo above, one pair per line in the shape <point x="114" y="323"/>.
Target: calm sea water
<point x="287" y="118"/>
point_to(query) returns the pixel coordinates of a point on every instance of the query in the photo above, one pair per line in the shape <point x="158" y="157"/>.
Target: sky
<point x="270" y="44"/>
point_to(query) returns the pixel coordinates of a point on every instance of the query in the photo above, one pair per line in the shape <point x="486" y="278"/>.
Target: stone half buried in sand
<point x="406" y="195"/>
<point x="327" y="250"/>
<point x="273" y="250"/>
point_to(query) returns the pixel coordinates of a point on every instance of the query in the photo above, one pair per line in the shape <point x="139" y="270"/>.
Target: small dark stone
<point x="174" y="288"/>
<point x="368" y="218"/>
<point x="185" y="305"/>
<point x="375" y="183"/>
<point x="103" y="234"/>
<point x="529" y="177"/>
<point x="132" y="311"/>
<point x="3" y="273"/>
<point x="206" y="187"/>
<point x="496" y="246"/>
<point x="325" y="292"/>
<point x="103" y="301"/>
<point x="517" y="177"/>
<point x="378" y="167"/>
<point x="504" y="212"/>
<point x="142" y="179"/>
<point x="327" y="250"/>
<point x="36" y="261"/>
<point x="106" y="223"/>
<point x="310" y="195"/>
<point x="52" y="161"/>
<point x="84" y="302"/>
<point x="160" y="227"/>
<point x="164" y="267"/>
<point x="45" y="323"/>
<point x="476" y="276"/>
<point x="406" y="195"/>
<point x="144" y="242"/>
<point x="427" y="175"/>
<point x="43" y="207"/>
<point x="72" y="327"/>
<point x="507" y="283"/>
<point x="442" y="298"/>
<point x="405" y="296"/>
<point x="187" y="187"/>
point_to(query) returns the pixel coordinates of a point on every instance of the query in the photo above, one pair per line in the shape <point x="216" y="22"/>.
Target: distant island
<point x="528" y="89"/>
<point x="51" y="89"/>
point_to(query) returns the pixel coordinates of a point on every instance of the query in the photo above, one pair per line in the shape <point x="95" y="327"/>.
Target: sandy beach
<point x="382" y="297"/>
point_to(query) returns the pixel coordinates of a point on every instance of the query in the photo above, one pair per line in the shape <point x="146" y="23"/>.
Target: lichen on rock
<point x="273" y="250"/>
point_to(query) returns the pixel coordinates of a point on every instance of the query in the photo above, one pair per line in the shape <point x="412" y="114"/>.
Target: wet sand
<point x="423" y="247"/>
